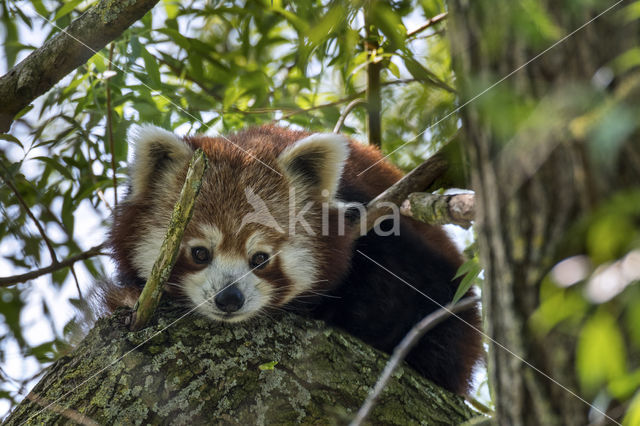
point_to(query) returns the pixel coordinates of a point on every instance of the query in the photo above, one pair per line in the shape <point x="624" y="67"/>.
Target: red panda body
<point x="244" y="251"/>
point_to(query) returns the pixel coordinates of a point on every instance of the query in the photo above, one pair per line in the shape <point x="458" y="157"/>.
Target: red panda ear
<point x="315" y="163"/>
<point x="156" y="152"/>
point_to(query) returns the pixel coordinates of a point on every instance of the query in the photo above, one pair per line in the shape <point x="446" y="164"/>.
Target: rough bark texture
<point x="65" y="52"/>
<point x="197" y="372"/>
<point x="438" y="209"/>
<point x="419" y="178"/>
<point x="531" y="185"/>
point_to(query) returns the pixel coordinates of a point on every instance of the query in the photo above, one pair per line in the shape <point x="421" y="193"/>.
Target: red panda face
<point x="256" y="236"/>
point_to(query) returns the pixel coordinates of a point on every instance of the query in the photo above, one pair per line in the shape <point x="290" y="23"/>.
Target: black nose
<point x="230" y="299"/>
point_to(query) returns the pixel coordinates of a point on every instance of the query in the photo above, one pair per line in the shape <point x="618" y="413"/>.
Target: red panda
<point x="244" y="252"/>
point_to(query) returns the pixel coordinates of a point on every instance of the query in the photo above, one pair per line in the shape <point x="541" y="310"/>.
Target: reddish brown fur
<point x="231" y="171"/>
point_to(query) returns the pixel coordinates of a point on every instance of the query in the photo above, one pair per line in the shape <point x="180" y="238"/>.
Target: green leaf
<point x="389" y="23"/>
<point x="50" y="162"/>
<point x="151" y="67"/>
<point x="632" y="418"/>
<point x="43" y="352"/>
<point x="171" y="7"/>
<point x="268" y="366"/>
<point x="11" y="49"/>
<point x="37" y="4"/>
<point x="11" y="138"/>
<point x="421" y="73"/>
<point x="393" y="69"/>
<point x="68" y="219"/>
<point x="327" y="24"/>
<point x="23" y="111"/>
<point x="623" y="387"/>
<point x="471" y="269"/>
<point x="67" y="8"/>
<point x="601" y="355"/>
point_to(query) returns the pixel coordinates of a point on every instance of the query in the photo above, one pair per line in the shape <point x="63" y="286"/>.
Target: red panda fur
<point x="364" y="299"/>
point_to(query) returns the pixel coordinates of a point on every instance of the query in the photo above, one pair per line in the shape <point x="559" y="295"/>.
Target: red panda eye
<point x="201" y="255"/>
<point x="259" y="260"/>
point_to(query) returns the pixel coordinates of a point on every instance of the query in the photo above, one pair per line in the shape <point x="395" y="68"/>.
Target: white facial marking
<point x="258" y="243"/>
<point x="300" y="266"/>
<point x="211" y="234"/>
<point x="225" y="271"/>
<point x="147" y="249"/>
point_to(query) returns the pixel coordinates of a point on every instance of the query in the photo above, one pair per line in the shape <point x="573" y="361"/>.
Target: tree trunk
<point x="280" y="370"/>
<point x="532" y="179"/>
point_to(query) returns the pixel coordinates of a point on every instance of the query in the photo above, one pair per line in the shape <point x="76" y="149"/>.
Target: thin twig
<point x="75" y="278"/>
<point x="354" y="103"/>
<point x="24" y="205"/>
<point x="327" y="105"/>
<point x="403" y="348"/>
<point x="15" y="279"/>
<point x="480" y="406"/>
<point x="104" y="199"/>
<point x="430" y="22"/>
<point x="110" y="130"/>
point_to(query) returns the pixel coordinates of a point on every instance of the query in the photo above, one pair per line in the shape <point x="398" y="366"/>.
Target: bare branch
<point x="327" y="105"/>
<point x="15" y="279"/>
<point x="75" y="278"/>
<point x="150" y="296"/>
<point x="438" y="209"/>
<point x="429" y="23"/>
<point x="64" y="52"/>
<point x="110" y="130"/>
<point x="417" y="180"/>
<point x="354" y="103"/>
<point x="403" y="348"/>
<point x="480" y="406"/>
<point x="374" y="69"/>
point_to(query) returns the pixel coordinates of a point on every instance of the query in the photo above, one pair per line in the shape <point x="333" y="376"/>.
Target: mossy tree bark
<point x="184" y="370"/>
<point x="534" y="176"/>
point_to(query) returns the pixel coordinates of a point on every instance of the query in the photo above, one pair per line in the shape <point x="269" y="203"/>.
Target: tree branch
<point x="110" y="130"/>
<point x="15" y="279"/>
<point x="64" y="52"/>
<point x="152" y="291"/>
<point x="403" y="348"/>
<point x="327" y="105"/>
<point x="354" y="103"/>
<point x="438" y="209"/>
<point x="417" y="180"/>
<point x="374" y="68"/>
<point x="430" y="22"/>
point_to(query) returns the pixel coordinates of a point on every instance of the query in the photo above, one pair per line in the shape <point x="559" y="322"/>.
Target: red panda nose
<point x="230" y="299"/>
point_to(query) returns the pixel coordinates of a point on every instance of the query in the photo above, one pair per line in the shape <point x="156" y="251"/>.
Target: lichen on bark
<point x="186" y="369"/>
